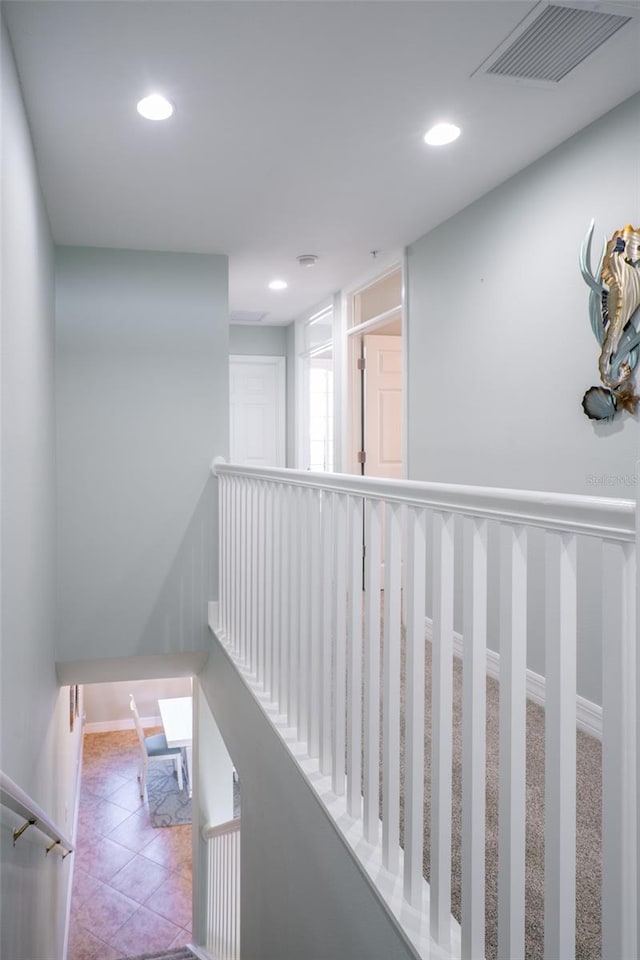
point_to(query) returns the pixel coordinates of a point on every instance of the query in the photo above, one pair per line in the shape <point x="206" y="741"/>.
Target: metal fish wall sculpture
<point x="614" y="311"/>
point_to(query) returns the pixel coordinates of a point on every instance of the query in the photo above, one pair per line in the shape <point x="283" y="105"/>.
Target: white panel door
<point x="383" y="406"/>
<point x="257" y="407"/>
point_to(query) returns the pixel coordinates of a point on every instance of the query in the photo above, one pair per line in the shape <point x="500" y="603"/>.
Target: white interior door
<point x="257" y="408"/>
<point x="383" y="406"/>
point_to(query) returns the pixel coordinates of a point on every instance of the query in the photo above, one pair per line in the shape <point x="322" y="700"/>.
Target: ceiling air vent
<point x="550" y="42"/>
<point x="246" y="316"/>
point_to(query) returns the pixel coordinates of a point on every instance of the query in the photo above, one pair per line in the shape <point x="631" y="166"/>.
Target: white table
<point x="177" y="720"/>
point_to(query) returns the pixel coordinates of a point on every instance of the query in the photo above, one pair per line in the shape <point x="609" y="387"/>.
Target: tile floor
<point x="132" y="882"/>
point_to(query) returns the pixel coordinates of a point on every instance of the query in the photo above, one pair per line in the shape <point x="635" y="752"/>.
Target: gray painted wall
<point x="142" y="409"/>
<point x="501" y="351"/>
<point x="109" y="702"/>
<point x="250" y="339"/>
<point x="38" y="750"/>
<point x="304" y="897"/>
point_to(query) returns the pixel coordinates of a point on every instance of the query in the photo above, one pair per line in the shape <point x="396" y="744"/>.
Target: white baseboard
<point x="199" y="952"/>
<point x="213" y="613"/>
<point x="589" y="717"/>
<point x="588" y="714"/>
<point x="109" y="726"/>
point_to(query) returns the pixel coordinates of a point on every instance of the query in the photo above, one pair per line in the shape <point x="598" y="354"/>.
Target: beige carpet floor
<point x="588" y="847"/>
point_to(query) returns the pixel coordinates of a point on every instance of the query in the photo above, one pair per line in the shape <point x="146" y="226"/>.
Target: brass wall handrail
<point x="14" y="798"/>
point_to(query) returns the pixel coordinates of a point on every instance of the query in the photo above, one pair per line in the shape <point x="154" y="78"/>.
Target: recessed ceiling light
<point x="278" y="285"/>
<point x="155" y="107"/>
<point x="442" y="133"/>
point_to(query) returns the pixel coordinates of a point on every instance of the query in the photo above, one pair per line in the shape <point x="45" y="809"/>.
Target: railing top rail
<point x="603" y="517"/>
<point x="220" y="829"/>
<point x="14" y="798"/>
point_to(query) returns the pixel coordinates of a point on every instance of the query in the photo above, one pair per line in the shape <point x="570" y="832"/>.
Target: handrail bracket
<point x="17" y="833"/>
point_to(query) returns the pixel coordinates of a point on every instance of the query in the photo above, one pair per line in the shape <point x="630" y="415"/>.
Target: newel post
<point x="620" y="675"/>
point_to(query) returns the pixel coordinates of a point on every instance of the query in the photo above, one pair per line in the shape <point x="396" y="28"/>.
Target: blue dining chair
<point x="153" y="748"/>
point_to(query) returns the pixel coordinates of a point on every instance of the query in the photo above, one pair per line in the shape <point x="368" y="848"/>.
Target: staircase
<point x="182" y="953"/>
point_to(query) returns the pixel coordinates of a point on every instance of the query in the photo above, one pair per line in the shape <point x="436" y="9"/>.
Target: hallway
<point x="132" y="882"/>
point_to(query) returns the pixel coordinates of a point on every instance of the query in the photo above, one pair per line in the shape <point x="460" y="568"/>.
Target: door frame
<point x="348" y="337"/>
<point x="279" y="364"/>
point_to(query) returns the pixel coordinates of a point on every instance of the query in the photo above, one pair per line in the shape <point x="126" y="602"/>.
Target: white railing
<point x="294" y="616"/>
<point x="14" y="798"/>
<point x="222" y="912"/>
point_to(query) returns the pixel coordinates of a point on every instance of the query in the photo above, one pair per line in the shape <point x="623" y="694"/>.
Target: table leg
<point x="189" y="759"/>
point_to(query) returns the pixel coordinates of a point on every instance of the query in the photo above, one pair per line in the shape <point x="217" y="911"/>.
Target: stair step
<point x="181" y="953"/>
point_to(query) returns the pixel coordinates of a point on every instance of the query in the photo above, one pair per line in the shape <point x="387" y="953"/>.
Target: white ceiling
<point x="298" y="126"/>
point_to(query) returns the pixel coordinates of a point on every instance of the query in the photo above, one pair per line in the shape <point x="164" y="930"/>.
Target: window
<point x="315" y="354"/>
<point x="321" y="411"/>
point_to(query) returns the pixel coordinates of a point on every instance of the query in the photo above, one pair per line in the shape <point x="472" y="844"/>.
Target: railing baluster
<point x="260" y="580"/>
<point x="222" y="557"/>
<point x="225" y="566"/>
<point x="224" y="925"/>
<point x="294" y="607"/>
<point x="228" y="583"/>
<point x="285" y="614"/>
<point x="474" y="679"/>
<point x="249" y="529"/>
<point x="208" y="896"/>
<point x="373" y="538"/>
<point x="619" y="752"/>
<point x="237" y="575"/>
<point x="237" y="894"/>
<point x="248" y="571"/>
<point x="226" y="569"/>
<point x="441" y="728"/>
<point x="415" y="578"/>
<point x="226" y="904"/>
<point x="229" y="916"/>
<point x="560" y="747"/>
<point x="212" y="898"/>
<point x="511" y="800"/>
<point x="224" y="850"/>
<point x="276" y="634"/>
<point x="231" y="583"/>
<point x="340" y="638"/>
<point x="354" y="701"/>
<point x="326" y="635"/>
<point x="304" y="629"/>
<point x="243" y="597"/>
<point x="315" y="630"/>
<point x="218" y="896"/>
<point x="237" y="560"/>
<point x="268" y="587"/>
<point x="391" y="690"/>
<point x="255" y="529"/>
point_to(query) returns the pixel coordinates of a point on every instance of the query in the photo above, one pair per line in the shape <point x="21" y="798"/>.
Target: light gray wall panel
<point x="143" y="407"/>
<point x="501" y="350"/>
<point x="39" y="751"/>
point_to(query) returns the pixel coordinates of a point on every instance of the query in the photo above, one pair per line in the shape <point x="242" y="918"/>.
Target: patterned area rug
<point x="168" y="806"/>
